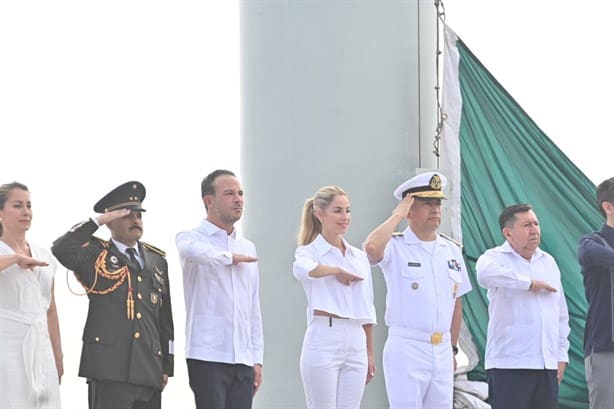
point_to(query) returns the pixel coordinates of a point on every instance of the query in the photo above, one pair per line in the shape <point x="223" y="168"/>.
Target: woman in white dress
<point x="30" y="348"/>
<point x="337" y="356"/>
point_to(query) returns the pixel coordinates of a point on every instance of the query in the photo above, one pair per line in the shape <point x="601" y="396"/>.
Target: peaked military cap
<point x="427" y="185"/>
<point x="129" y="195"/>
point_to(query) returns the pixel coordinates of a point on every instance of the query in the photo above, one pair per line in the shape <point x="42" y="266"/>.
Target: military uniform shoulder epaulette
<point x="103" y="243"/>
<point x="451" y="240"/>
<point x="154" y="249"/>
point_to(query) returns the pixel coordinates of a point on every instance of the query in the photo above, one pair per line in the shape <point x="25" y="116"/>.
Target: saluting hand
<point x="242" y="258"/>
<point x="404" y="205"/>
<point x="345" y="277"/>
<point x="28" y="263"/>
<point x="105" y="218"/>
<point x="537" y="285"/>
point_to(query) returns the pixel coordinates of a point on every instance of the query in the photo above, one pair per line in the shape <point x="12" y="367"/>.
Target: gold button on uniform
<point x="436" y="338"/>
<point x="137" y="335"/>
<point x="138" y="315"/>
<point x="139" y="278"/>
<point x="159" y="353"/>
<point x="97" y="339"/>
<point x="139" y="296"/>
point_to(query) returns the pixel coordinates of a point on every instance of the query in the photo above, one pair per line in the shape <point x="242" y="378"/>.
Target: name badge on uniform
<point x="413" y="264"/>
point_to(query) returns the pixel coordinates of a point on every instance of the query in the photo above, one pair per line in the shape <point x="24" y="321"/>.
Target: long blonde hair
<point x="310" y="225"/>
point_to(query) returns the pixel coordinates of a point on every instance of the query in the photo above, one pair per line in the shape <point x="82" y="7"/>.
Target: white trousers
<point x="334" y="363"/>
<point x="418" y="375"/>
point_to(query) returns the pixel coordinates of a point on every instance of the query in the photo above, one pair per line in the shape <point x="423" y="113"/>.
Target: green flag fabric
<point x="496" y="155"/>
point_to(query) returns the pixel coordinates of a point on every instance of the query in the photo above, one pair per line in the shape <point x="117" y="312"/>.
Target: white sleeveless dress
<point x="28" y="376"/>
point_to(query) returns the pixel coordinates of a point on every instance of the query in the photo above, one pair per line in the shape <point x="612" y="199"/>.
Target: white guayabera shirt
<point x="526" y="329"/>
<point x="223" y="317"/>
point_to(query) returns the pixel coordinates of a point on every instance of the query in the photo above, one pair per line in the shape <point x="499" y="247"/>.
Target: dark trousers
<point x="522" y="388"/>
<point x="221" y="386"/>
<point x="121" y="395"/>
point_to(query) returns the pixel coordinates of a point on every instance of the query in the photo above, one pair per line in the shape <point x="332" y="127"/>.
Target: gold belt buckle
<point x="436" y="338"/>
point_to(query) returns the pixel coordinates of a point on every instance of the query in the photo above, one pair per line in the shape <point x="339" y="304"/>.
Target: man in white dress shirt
<point x="425" y="278"/>
<point x="224" y="340"/>
<point x="526" y="347"/>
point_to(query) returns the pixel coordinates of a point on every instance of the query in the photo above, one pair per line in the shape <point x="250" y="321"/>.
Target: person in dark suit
<point x="127" y="353"/>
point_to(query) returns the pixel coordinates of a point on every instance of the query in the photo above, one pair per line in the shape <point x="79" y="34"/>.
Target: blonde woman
<point x="337" y="355"/>
<point x="30" y="349"/>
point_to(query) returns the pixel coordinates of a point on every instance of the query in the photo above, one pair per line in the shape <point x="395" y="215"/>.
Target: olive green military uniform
<point x="129" y="324"/>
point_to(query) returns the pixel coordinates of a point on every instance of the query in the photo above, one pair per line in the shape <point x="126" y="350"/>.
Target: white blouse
<point x="326" y="293"/>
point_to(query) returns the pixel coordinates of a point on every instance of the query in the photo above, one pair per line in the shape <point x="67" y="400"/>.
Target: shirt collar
<point x="323" y="247"/>
<point x="122" y="247"/>
<point x="211" y="229"/>
<point x="507" y="248"/>
<point x="410" y="238"/>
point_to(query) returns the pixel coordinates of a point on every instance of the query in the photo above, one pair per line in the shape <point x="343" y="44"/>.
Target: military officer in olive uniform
<point x="128" y="336"/>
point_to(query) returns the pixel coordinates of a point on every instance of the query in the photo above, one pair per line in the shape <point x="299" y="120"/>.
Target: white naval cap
<point x="428" y="185"/>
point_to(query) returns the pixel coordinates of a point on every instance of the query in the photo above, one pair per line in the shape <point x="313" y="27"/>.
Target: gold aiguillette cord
<point x="130" y="300"/>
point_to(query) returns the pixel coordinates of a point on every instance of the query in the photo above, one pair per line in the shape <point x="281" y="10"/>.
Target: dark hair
<point x="605" y="193"/>
<point x="4" y="193"/>
<point x="206" y="186"/>
<point x="507" y="218"/>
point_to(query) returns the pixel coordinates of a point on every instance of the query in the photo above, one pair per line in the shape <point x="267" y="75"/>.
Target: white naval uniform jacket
<point x="423" y="280"/>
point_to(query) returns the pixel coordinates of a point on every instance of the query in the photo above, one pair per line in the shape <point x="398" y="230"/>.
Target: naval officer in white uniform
<point x="425" y="277"/>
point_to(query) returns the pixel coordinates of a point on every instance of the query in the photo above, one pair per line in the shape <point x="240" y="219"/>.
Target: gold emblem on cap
<point x="415" y="286"/>
<point x="435" y="182"/>
<point x="134" y="186"/>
